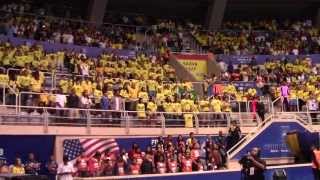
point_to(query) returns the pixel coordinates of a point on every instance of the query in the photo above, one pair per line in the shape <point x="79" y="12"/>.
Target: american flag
<point x="73" y="148"/>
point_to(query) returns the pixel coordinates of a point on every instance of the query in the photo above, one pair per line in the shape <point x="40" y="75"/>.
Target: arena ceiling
<point x="235" y="9"/>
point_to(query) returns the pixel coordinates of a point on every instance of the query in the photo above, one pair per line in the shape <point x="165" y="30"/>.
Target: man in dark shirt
<point x="147" y="166"/>
<point x="73" y="101"/>
<point x="252" y="166"/>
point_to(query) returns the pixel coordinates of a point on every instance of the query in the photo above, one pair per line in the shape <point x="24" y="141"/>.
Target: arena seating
<point x="69" y="90"/>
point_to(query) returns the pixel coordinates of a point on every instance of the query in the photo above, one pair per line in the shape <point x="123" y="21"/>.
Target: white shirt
<point x="61" y="99"/>
<point x="84" y="69"/>
<point x="295" y="52"/>
<point x="313" y="105"/>
<point x="62" y="168"/>
<point x="85" y="101"/>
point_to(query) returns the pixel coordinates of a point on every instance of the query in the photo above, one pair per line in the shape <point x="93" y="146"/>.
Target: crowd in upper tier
<point x="262" y="37"/>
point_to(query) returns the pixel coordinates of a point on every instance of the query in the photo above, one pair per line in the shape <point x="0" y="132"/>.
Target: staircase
<point x="243" y="144"/>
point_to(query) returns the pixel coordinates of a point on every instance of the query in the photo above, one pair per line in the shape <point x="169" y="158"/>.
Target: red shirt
<point x="186" y="165"/>
<point x="94" y="165"/>
<point x="82" y="164"/>
<point x="161" y="167"/>
<point x="135" y="169"/>
<point x="120" y="167"/>
<point x="172" y="165"/>
<point x="195" y="154"/>
<point x="138" y="156"/>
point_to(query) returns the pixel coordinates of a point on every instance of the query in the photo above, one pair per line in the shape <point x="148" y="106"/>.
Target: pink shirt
<point x="284" y="91"/>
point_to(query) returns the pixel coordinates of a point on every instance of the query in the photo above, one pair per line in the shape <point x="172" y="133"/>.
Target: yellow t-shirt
<point x="216" y="105"/>
<point x="64" y="85"/>
<point x="144" y="96"/>
<point x="188" y="120"/>
<point x="4" y="79"/>
<point x="141" y="110"/>
<point x="36" y="85"/>
<point x="78" y="89"/>
<point x="17" y="170"/>
<point x="124" y="94"/>
<point x="152" y="107"/>
<point x="44" y="98"/>
<point x="133" y="92"/>
<point x="97" y="96"/>
<point x="204" y="106"/>
<point x="152" y="85"/>
<point x="23" y="81"/>
<point x="168" y="107"/>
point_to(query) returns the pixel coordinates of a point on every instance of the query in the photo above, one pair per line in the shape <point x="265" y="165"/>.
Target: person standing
<point x="261" y="110"/>
<point x="316" y="162"/>
<point x="17" y="167"/>
<point x="252" y="166"/>
<point x="52" y="167"/>
<point x="65" y="170"/>
<point x="117" y="105"/>
<point x="284" y="92"/>
<point x="313" y="107"/>
<point x="73" y="101"/>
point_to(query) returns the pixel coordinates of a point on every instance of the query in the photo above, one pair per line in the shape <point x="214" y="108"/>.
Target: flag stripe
<point x="101" y="146"/>
<point x="84" y="141"/>
<point x="93" y="147"/>
<point x="86" y="148"/>
<point x="73" y="148"/>
<point x="104" y="148"/>
<point x="91" y="142"/>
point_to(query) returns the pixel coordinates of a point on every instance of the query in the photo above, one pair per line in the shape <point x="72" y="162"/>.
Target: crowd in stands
<point x="261" y="37"/>
<point x="146" y="84"/>
<point x="65" y="9"/>
<point x="166" y="155"/>
<point x="57" y="30"/>
<point x="295" y="82"/>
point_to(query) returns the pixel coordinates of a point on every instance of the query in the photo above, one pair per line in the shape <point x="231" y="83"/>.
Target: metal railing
<point x="248" y="136"/>
<point x="56" y="116"/>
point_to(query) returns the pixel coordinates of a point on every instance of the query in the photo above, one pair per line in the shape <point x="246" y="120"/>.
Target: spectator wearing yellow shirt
<point x="152" y="88"/>
<point x="204" y="106"/>
<point x="141" y="110"/>
<point x="133" y="91"/>
<point x="36" y="82"/>
<point x="188" y="119"/>
<point x="78" y="88"/>
<point x="216" y="106"/>
<point x="4" y="79"/>
<point x="143" y="95"/>
<point x="177" y="108"/>
<point x="17" y="167"/>
<point x="152" y="109"/>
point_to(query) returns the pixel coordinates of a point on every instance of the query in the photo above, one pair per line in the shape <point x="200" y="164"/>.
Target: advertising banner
<point x="272" y="141"/>
<point x="261" y="59"/>
<point x="195" y="64"/>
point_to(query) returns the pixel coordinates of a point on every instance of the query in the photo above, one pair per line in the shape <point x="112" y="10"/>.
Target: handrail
<point x="273" y="103"/>
<point x="121" y="111"/>
<point x="253" y="131"/>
